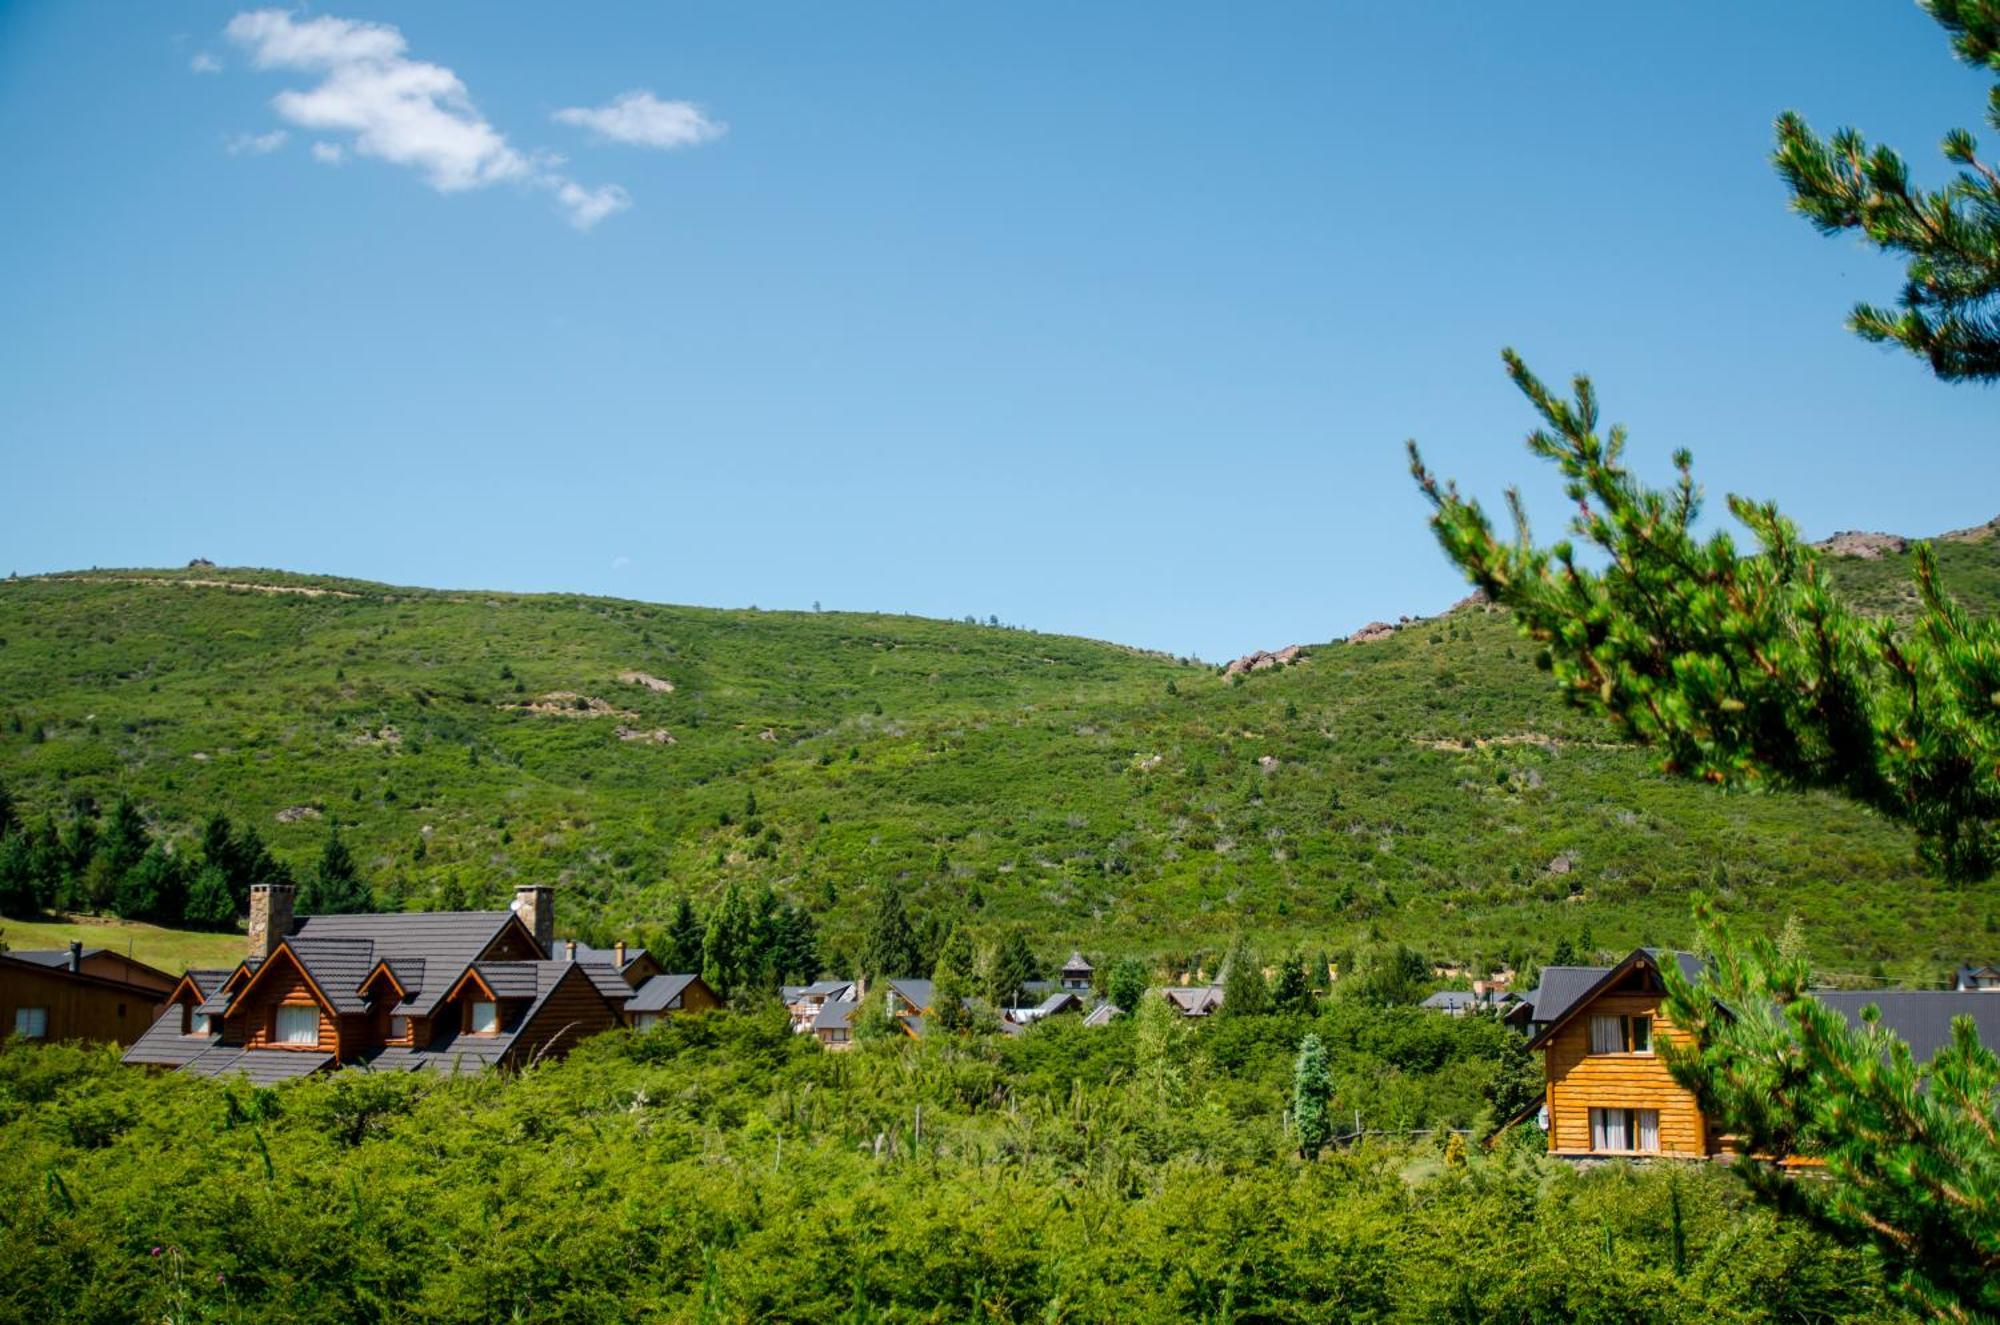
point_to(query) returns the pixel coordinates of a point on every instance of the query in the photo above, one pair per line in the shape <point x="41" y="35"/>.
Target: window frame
<point x="22" y="1016"/>
<point x="1633" y="1125"/>
<point x="1633" y="1033"/>
<point x="472" y="1018"/>
<point x="282" y="1038"/>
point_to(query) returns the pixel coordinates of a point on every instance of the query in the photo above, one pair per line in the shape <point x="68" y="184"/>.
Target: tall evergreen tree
<point x="953" y="983"/>
<point x="335" y="887"/>
<point x="1011" y="965"/>
<point x="10" y="815"/>
<point x="210" y="903"/>
<point x="154" y="889"/>
<point x="892" y="945"/>
<point x="684" y="939"/>
<point x="795" y="954"/>
<point x="1244" y="993"/>
<point x="729" y="957"/>
<point x="125" y="838"/>
<point x="1312" y="1093"/>
<point x="1291" y="993"/>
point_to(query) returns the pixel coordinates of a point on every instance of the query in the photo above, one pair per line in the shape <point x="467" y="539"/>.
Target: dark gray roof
<point x="262" y="1066"/>
<point x="47" y="956"/>
<point x="447" y="942"/>
<point x="1057" y="1002"/>
<point x="1103" y="1014"/>
<point x="1922" y="1018"/>
<point x="917" y="992"/>
<point x="1561" y="987"/>
<point x="1077" y="963"/>
<point x="163" y="1045"/>
<point x="607" y="979"/>
<point x="659" y="993"/>
<point x="836" y="1014"/>
<point x="512" y="979"/>
<point x="1464" y="1000"/>
<point x="337" y="966"/>
<point x="208" y="981"/>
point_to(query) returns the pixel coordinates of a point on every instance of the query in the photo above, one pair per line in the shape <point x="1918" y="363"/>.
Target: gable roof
<point x="659" y="993"/>
<point x="1549" y="1018"/>
<point x="917" y="993"/>
<point x="1076" y="963"/>
<point x="1103" y="1014"/>
<point x="836" y="1014"/>
<point x="431" y="950"/>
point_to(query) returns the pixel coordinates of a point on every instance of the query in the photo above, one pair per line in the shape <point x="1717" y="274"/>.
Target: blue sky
<point x="1107" y="319"/>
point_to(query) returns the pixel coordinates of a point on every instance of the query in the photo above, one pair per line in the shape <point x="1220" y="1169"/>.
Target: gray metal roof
<point x="163" y="1045"/>
<point x="1561" y="987"/>
<point x="1103" y="1014"/>
<point x="337" y="966"/>
<point x="262" y="1066"/>
<point x="1922" y="1018"/>
<point x="48" y="956"/>
<point x="447" y="942"/>
<point x="836" y="1014"/>
<point x="512" y="979"/>
<point x="659" y="993"/>
<point x="917" y="992"/>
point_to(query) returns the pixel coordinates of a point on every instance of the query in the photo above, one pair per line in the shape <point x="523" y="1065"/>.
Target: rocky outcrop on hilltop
<point x="1261" y="661"/>
<point x="1866" y="546"/>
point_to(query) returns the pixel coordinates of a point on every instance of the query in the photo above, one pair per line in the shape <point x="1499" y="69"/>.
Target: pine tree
<point x="1792" y="939"/>
<point x="1949" y="240"/>
<point x="892" y="945"/>
<point x="20" y="893"/>
<point x="335" y="887"/>
<point x="1010" y="965"/>
<point x="1291" y="993"/>
<point x="684" y="939"/>
<point x="1312" y="1092"/>
<point x="1244" y="993"/>
<point x="10" y="816"/>
<point x="154" y="889"/>
<point x="728" y="949"/>
<point x="1159" y="1050"/>
<point x="125" y="838"/>
<point x="952" y="983"/>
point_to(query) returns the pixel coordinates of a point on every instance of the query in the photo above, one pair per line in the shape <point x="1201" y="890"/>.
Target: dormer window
<point x="297" y="1024"/>
<point x="399" y="1028"/>
<point x="192" y="1022"/>
<point x="485" y="1018"/>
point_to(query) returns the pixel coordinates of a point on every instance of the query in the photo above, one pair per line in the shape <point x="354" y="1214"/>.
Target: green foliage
<point x="730" y="952"/>
<point x="1002" y="769"/>
<point x="334" y="887"/>
<point x="1291" y="993"/>
<point x="1312" y="1093"/>
<point x="669" y="1175"/>
<point x="953" y="984"/>
<point x="892" y="951"/>
<point x="1127" y="984"/>
<point x="1912" y="1159"/>
<point x="1949" y="240"/>
<point x="1010" y="965"/>
<point x="1744" y="670"/>
<point x="1244" y="993"/>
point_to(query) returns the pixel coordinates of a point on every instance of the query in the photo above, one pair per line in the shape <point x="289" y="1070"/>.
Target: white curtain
<point x="1607" y="1130"/>
<point x="1649" y="1130"/>
<point x="1607" y="1035"/>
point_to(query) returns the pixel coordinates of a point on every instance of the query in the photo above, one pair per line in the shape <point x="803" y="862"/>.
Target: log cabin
<point x="78" y="993"/>
<point x="1600" y="1031"/>
<point x="442" y="991"/>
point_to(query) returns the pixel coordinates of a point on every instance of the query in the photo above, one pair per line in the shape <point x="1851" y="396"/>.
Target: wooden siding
<point x="117" y="966"/>
<point x="573" y="1010"/>
<point x="698" y="997"/>
<point x="1580" y="1081"/>
<point x="254" y="1024"/>
<point x="78" y="1009"/>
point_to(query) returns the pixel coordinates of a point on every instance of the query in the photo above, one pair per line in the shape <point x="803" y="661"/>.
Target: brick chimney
<point x="535" y="903"/>
<point x="270" y="916"/>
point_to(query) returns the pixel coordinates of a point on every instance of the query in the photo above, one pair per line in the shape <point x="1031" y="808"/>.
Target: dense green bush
<point x="722" y="1169"/>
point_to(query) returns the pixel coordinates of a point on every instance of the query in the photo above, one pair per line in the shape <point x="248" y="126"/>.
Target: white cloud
<point x="620" y="562"/>
<point x="331" y="154"/>
<point x="204" y="63"/>
<point x="643" y="120"/>
<point x="256" y="144"/>
<point x="407" y="112"/>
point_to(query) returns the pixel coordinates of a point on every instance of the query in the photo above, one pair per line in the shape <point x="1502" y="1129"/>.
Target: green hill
<point x="1425" y="787"/>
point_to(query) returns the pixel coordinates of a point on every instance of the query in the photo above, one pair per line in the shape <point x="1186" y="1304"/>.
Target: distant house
<point x="445" y="991"/>
<point x="1056" y="1004"/>
<point x="1076" y="973"/>
<point x="1459" y="1002"/>
<point x="1609" y="1094"/>
<point x="1103" y="1014"/>
<point x="78" y="993"/>
<point x="833" y="1024"/>
<point x="1194" y="1000"/>
<point x="1979" y="979"/>
<point x="804" y="1002"/>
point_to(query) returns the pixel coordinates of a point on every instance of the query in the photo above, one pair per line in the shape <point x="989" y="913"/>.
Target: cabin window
<point x="399" y="1028"/>
<point x="485" y="1018"/>
<point x="31" y="1023"/>
<point x="1636" y="1130"/>
<point x="193" y="1023"/>
<point x="298" y="1025"/>
<point x="645" y="1021"/>
<point x="1621" y="1035"/>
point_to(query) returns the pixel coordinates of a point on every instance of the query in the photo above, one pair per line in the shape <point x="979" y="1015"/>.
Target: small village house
<point x="447" y="991"/>
<point x="1600" y="1031"/>
<point x="78" y="993"/>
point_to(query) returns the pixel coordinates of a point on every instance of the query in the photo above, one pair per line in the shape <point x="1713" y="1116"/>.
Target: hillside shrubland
<point x="1424" y="788"/>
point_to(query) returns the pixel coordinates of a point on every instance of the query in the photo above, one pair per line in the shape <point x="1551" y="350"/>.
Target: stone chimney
<point x="535" y="903"/>
<point x="270" y="917"/>
<point x="75" y="956"/>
